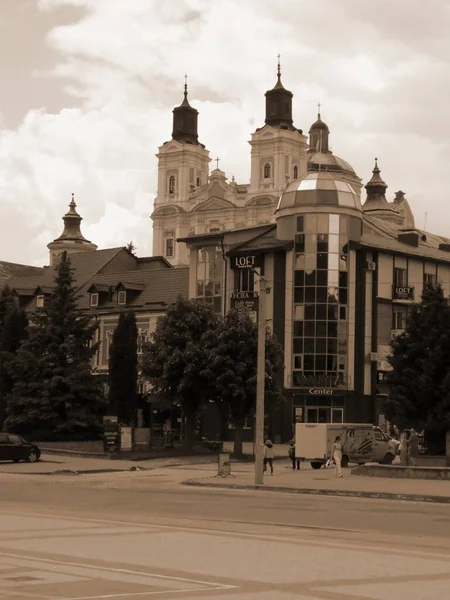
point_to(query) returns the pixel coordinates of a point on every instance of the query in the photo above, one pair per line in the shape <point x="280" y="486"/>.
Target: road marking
<point x="374" y="547"/>
<point x="127" y="595"/>
<point x="111" y="570"/>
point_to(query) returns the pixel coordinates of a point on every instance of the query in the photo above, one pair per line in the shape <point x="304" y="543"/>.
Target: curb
<point x="324" y="492"/>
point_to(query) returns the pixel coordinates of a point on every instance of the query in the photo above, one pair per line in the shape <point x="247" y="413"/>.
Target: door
<point x="17" y="449"/>
<point x="6" y="448"/>
<point x="318" y="415"/>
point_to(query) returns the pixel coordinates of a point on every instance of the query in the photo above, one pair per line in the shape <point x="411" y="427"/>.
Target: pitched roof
<point x="9" y="270"/>
<point x="159" y="286"/>
<point x="84" y="264"/>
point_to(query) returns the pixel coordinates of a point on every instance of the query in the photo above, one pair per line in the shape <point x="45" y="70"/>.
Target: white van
<point x="361" y="443"/>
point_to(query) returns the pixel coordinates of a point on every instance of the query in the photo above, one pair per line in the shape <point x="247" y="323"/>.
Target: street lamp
<point x="264" y="289"/>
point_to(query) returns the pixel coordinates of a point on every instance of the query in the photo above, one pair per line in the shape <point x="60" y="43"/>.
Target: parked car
<point x="14" y="447"/>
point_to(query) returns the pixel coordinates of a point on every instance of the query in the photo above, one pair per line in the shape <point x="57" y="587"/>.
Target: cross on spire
<point x="217" y="162"/>
<point x="185" y="86"/>
<point x="318" y="110"/>
<point x="279" y="66"/>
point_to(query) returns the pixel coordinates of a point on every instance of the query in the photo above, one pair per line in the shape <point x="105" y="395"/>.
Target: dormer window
<point x="121" y="297"/>
<point x="172" y="184"/>
<point x="40" y="301"/>
<point x="94" y="299"/>
<point x="267" y="171"/>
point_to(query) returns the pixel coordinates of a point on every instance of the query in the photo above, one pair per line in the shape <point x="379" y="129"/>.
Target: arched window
<point x="198" y="181"/>
<point x="295" y="172"/>
<point x="172" y="184"/>
<point x="267" y="171"/>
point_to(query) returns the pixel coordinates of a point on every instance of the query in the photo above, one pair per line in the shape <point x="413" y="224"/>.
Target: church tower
<point x="278" y="152"/>
<point x="71" y="240"/>
<point x="183" y="167"/>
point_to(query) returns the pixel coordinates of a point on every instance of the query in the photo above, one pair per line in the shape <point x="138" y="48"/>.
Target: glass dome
<point x="320" y="189"/>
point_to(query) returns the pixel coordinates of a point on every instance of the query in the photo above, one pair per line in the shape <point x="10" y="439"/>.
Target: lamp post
<point x="260" y="380"/>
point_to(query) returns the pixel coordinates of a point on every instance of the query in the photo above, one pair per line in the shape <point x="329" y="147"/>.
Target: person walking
<point x="413" y="448"/>
<point x="336" y="453"/>
<point x="268" y="456"/>
<point x="294" y="459"/>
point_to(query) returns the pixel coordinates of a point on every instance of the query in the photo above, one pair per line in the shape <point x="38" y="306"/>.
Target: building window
<point x="142" y="339"/>
<point x="400" y="278"/>
<point x="170" y="247"/>
<point x="172" y="184"/>
<point x="295" y="172"/>
<point x="429" y="279"/>
<point x="209" y="276"/>
<point x="214" y="230"/>
<point x="267" y="171"/>
<point x="94" y="299"/>
<point x="40" y="301"/>
<point x="122" y="297"/>
<point x="399" y="317"/>
<point x="109" y="337"/>
<point x="198" y="181"/>
<point x="320" y="314"/>
<point x="245" y="280"/>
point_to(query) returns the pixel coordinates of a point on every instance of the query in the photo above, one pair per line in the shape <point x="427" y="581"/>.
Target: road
<point x="124" y="536"/>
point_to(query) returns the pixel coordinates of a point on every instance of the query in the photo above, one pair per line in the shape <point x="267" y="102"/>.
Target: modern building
<point x="342" y="270"/>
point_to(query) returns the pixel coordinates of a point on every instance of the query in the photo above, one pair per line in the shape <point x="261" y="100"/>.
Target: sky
<point x="87" y="89"/>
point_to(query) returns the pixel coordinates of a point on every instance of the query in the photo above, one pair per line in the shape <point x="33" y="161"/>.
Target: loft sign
<point x="403" y="292"/>
<point x="246" y="261"/>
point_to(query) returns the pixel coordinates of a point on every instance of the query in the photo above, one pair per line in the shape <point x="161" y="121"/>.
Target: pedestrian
<point x="413" y="448"/>
<point x="336" y="454"/>
<point x="294" y="459"/>
<point x="268" y="456"/>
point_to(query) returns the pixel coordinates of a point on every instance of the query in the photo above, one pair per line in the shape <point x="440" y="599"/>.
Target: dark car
<point x="15" y="448"/>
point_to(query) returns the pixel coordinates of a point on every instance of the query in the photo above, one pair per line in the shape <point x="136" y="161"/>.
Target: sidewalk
<point x="55" y="464"/>
<point x="323" y="482"/>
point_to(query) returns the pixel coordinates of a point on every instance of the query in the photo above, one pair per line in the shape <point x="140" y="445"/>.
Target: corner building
<point x="343" y="272"/>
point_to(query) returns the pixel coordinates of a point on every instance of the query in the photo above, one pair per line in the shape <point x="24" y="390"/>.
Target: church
<point x="339" y="262"/>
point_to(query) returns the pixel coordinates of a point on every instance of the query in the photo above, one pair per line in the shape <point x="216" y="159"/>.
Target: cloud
<point x="379" y="70"/>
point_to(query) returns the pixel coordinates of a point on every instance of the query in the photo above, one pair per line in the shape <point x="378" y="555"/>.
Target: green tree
<point x="7" y="302"/>
<point x="13" y="332"/>
<point x="234" y="367"/>
<point x="55" y="394"/>
<point x="420" y="379"/>
<point x="123" y="370"/>
<point x="177" y="360"/>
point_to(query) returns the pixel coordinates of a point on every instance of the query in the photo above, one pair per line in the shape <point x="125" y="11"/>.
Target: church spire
<point x="319" y="135"/>
<point x="185" y="119"/>
<point x="279" y="104"/>
<point x="71" y="240"/>
<point x="376" y="190"/>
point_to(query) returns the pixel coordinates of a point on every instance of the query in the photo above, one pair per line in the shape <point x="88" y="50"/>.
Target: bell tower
<point x="183" y="167"/>
<point x="278" y="152"/>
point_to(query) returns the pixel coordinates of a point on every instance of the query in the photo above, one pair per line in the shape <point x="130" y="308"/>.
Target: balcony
<point x="403" y="292"/>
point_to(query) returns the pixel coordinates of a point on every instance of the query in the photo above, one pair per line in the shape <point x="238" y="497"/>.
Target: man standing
<point x="413" y="448"/>
<point x="295" y="460"/>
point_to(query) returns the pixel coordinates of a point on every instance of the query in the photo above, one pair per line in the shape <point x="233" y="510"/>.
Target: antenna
<point x="425" y="222"/>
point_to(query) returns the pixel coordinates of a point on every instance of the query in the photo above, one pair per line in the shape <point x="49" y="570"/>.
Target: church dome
<point x="327" y="161"/>
<point x="320" y="189"/>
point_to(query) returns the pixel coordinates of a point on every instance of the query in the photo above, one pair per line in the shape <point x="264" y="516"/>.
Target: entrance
<point x="317" y="414"/>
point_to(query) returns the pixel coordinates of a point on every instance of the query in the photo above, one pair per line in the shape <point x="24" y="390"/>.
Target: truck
<point x="361" y="443"/>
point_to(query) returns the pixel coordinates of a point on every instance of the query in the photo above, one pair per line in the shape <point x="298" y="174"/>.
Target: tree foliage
<point x="234" y="366"/>
<point x="13" y="331"/>
<point x="177" y="360"/>
<point x="55" y="394"/>
<point x="123" y="370"/>
<point x="420" y="379"/>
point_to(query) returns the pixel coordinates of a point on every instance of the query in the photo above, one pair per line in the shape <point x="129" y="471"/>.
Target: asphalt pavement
<point x="128" y="535"/>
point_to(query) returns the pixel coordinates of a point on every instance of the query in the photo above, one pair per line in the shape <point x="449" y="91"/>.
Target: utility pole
<point x="264" y="289"/>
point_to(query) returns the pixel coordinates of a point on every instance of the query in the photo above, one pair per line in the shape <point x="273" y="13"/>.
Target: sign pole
<point x="260" y="380"/>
